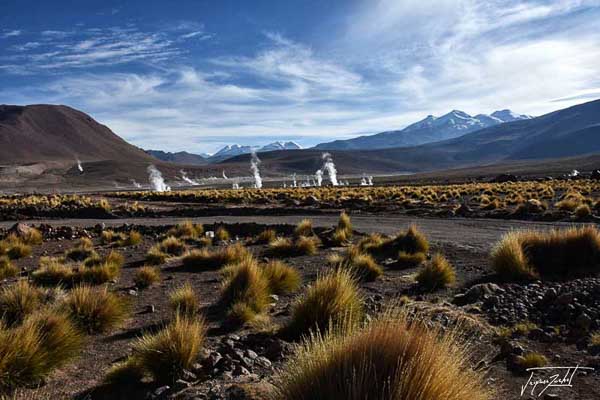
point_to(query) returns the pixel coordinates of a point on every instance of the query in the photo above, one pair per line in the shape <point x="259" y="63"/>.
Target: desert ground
<point x="244" y="346"/>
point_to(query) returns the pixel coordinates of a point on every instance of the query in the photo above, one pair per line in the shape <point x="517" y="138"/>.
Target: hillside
<point x="431" y="129"/>
<point x="42" y="133"/>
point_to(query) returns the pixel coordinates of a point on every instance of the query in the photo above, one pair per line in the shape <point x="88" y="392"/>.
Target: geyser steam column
<point x="329" y="167"/>
<point x="254" y="163"/>
<point x="157" y="183"/>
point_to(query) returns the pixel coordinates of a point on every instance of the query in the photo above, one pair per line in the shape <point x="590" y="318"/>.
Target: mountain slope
<point x="232" y="150"/>
<point x="181" y="157"/>
<point x="38" y="133"/>
<point x="431" y="129"/>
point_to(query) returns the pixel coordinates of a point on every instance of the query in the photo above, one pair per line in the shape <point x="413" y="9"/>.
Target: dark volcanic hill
<point x="181" y="157"/>
<point x="40" y="133"/>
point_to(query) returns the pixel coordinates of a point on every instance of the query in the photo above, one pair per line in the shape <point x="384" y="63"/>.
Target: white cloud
<point x="10" y="33"/>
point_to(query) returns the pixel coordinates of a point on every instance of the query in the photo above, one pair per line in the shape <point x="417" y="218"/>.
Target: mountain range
<point x="431" y="129"/>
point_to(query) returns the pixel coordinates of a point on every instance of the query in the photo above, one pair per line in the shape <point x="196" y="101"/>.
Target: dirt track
<point x="477" y="233"/>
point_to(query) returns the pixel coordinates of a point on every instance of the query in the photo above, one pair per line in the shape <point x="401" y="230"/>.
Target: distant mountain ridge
<point x="181" y="157"/>
<point x="431" y="129"/>
<point x="232" y="150"/>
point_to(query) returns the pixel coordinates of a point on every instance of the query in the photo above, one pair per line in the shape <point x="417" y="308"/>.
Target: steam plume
<point x="329" y="166"/>
<point x="224" y="176"/>
<point x="79" y="167"/>
<point x="319" y="177"/>
<point x="187" y="179"/>
<point x="136" y="184"/>
<point x="254" y="163"/>
<point x="156" y="180"/>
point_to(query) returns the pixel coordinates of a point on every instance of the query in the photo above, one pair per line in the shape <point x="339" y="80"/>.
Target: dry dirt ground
<point x="465" y="242"/>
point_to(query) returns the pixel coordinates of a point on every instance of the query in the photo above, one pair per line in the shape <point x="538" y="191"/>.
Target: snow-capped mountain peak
<point x="509" y="116"/>
<point x="280" y="146"/>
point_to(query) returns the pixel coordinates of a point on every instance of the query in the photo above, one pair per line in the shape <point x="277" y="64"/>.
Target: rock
<point x="239" y="370"/>
<point x="251" y="354"/>
<point x="463" y="210"/>
<point x="161" y="390"/>
<point x="150" y="309"/>
<point x="132" y="292"/>
<point x="250" y="391"/>
<point x="274" y="298"/>
<point x="20" y="229"/>
<point x="583" y="322"/>
<point x="188" y="375"/>
<point x="478" y="292"/>
<point x="181" y="384"/>
<point x="263" y="362"/>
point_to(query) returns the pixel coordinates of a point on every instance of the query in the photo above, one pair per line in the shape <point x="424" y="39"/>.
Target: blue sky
<point x="195" y="75"/>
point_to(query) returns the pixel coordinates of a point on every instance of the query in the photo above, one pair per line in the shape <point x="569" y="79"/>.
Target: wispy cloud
<point x="393" y="62"/>
<point x="10" y="33"/>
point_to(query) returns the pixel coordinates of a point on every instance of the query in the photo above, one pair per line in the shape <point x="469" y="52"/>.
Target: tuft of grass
<point x="304" y="228"/>
<point x="282" y="278"/>
<point x="583" y="211"/>
<point x="32" y="237"/>
<point x="128" y="372"/>
<point x="392" y="358"/>
<point x="133" y="238"/>
<point x="438" y="273"/>
<point x="52" y="272"/>
<point x="30" y="352"/>
<point x="412" y="241"/>
<point x="95" y="309"/>
<point x="411" y="260"/>
<point x="332" y="298"/>
<point x="555" y="253"/>
<point x="339" y="238"/>
<point x="156" y="256"/>
<point x="595" y="339"/>
<point x="83" y="250"/>
<point x="204" y="259"/>
<point x="146" y="276"/>
<point x="184" y="301"/>
<point x="172" y="246"/>
<point x="345" y="225"/>
<point x="245" y="287"/>
<point x="371" y="243"/>
<point x="362" y="265"/>
<point x="265" y="237"/>
<point x="532" y="360"/>
<point x="18" y="301"/>
<point x="167" y="353"/>
<point x="222" y="234"/>
<point x="108" y="237"/>
<point x="186" y="230"/>
<point x="284" y="247"/>
<point x="7" y="269"/>
<point x="17" y="249"/>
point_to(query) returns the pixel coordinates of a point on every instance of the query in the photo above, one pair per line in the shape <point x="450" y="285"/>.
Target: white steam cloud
<point x="79" y="166"/>
<point x="188" y="179"/>
<point x="136" y="184"/>
<point x="329" y="167"/>
<point x="254" y="163"/>
<point x="224" y="176"/>
<point x="319" y="177"/>
<point x="157" y="183"/>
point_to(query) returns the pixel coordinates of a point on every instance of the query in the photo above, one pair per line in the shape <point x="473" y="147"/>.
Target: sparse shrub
<point x="7" y="269"/>
<point x="222" y="234"/>
<point x="595" y="339"/>
<point x="204" y="259"/>
<point x="410" y="260"/>
<point x="128" y="372"/>
<point x="146" y="276"/>
<point x="265" y="237"/>
<point x="392" y="358"/>
<point x="281" y="277"/>
<point x="175" y="348"/>
<point x="95" y="309"/>
<point x="108" y="237"/>
<point x="559" y="253"/>
<point x="339" y="238"/>
<point x="17" y="301"/>
<point x="155" y="256"/>
<point x="438" y="273"/>
<point x="332" y="298"/>
<point x="245" y="284"/>
<point x="371" y="243"/>
<point x="172" y="246"/>
<point x="28" y="353"/>
<point x="14" y="247"/>
<point x="184" y="301"/>
<point x="304" y="228"/>
<point x="532" y="360"/>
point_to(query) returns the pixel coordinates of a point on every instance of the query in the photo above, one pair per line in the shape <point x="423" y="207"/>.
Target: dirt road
<point x="476" y="233"/>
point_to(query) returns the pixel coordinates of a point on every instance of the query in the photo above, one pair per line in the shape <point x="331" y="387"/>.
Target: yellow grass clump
<point x="436" y="274"/>
<point x="392" y="358"/>
<point x="555" y="253"/>
<point x="17" y="301"/>
<point x="7" y="268"/>
<point x="205" y="259"/>
<point x="332" y="298"/>
<point x="95" y="309"/>
<point x="146" y="276"/>
<point x="282" y="278"/>
<point x="184" y="301"/>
